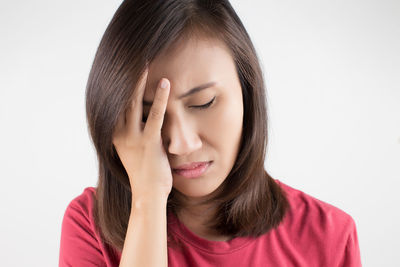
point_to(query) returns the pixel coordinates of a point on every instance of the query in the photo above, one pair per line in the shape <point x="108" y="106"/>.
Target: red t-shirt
<point x="313" y="233"/>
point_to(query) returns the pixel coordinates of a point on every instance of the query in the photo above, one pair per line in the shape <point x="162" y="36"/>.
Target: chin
<point x="194" y="191"/>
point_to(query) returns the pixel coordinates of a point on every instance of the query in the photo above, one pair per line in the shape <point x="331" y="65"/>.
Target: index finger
<point x="156" y="115"/>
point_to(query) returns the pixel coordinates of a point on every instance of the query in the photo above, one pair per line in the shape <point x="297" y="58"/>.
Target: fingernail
<point x="164" y="84"/>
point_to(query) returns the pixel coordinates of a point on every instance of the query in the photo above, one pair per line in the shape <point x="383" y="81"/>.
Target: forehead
<point x="191" y="62"/>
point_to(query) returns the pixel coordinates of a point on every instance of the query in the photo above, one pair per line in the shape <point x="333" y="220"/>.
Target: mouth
<point x="193" y="170"/>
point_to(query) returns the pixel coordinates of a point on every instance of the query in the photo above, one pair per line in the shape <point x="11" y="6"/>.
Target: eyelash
<point x="205" y="105"/>
<point x="198" y="107"/>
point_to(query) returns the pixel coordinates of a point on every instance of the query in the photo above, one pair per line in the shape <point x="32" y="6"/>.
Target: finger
<point x="156" y="115"/>
<point x="135" y="111"/>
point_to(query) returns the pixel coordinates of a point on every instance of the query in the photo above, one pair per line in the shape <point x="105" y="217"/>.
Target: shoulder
<point x="319" y="211"/>
<point x="84" y="199"/>
<point x="315" y="227"/>
<point x="309" y="217"/>
<point x="81" y="205"/>
<point x="79" y="211"/>
<point x="80" y="243"/>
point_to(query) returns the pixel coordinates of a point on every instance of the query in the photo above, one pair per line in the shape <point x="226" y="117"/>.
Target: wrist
<point x="149" y="202"/>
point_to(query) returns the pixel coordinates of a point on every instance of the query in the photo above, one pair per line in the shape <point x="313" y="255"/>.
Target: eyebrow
<point x="188" y="93"/>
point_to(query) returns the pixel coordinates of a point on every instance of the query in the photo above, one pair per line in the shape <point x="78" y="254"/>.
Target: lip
<point x="192" y="170"/>
<point x="189" y="166"/>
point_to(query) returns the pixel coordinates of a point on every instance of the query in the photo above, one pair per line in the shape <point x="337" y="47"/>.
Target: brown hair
<point x="249" y="202"/>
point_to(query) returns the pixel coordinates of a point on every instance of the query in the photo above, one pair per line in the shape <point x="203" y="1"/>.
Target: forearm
<point x="146" y="237"/>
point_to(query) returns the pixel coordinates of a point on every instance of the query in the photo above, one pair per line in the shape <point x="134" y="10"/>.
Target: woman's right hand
<point x="139" y="145"/>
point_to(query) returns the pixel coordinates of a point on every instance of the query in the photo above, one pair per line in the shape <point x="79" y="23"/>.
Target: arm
<point x="140" y="148"/>
<point x="146" y="236"/>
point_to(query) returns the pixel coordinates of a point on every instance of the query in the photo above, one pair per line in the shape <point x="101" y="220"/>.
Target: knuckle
<point x="133" y="102"/>
<point x="156" y="113"/>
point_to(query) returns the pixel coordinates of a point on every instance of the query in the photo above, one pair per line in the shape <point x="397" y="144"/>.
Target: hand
<point x="139" y="145"/>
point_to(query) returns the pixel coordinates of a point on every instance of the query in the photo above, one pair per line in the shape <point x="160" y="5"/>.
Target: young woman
<point x="176" y="110"/>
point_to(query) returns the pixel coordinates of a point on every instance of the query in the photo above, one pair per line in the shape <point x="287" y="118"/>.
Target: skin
<point x="190" y="134"/>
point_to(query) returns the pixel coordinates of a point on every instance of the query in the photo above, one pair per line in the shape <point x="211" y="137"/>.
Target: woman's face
<point x="191" y="134"/>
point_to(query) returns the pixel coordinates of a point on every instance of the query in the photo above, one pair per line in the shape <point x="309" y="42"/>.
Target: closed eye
<point x="144" y="118"/>
<point x="205" y="105"/>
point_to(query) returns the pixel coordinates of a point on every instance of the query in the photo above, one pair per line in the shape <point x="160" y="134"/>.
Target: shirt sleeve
<point x="351" y="256"/>
<point x="79" y="246"/>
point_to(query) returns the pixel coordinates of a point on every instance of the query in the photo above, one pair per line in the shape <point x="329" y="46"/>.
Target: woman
<point x="176" y="110"/>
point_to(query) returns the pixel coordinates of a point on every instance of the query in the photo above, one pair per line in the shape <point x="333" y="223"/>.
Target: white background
<point x="332" y="75"/>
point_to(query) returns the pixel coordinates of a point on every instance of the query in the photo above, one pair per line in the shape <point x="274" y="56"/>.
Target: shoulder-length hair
<point x="249" y="202"/>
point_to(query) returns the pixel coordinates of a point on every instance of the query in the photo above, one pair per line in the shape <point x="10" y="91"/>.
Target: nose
<point x="180" y="136"/>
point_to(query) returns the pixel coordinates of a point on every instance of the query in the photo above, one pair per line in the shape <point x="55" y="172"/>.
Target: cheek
<point x="224" y="124"/>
